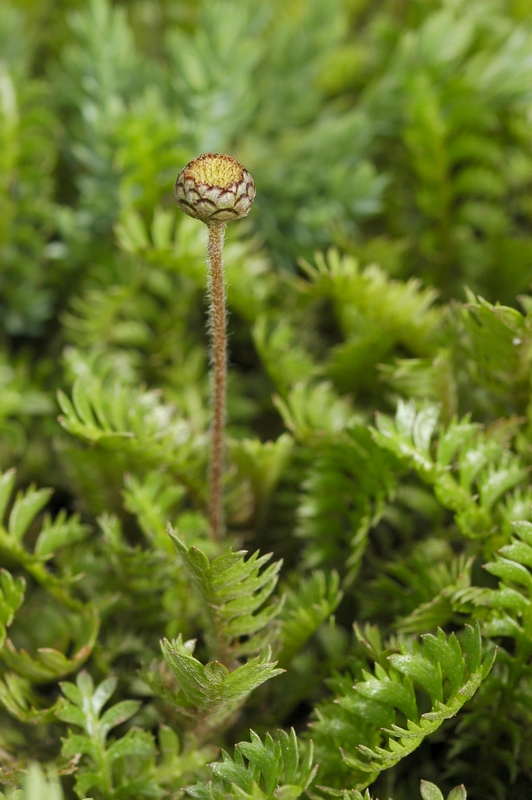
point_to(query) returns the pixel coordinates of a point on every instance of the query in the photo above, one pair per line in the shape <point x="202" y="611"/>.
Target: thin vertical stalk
<point x="216" y="189"/>
<point x="217" y="319"/>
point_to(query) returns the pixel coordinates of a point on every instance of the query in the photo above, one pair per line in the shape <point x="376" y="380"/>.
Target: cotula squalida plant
<point x="310" y="608"/>
<point x="197" y="642"/>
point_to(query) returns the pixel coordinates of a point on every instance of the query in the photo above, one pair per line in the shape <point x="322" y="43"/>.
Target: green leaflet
<point x="79" y="622"/>
<point x="233" y="594"/>
<point x="11" y="598"/>
<point x="208" y="697"/>
<point x="440" y="667"/>
<point x="261" y="770"/>
<point x="429" y="791"/>
<point x="471" y="471"/>
<point x="305" y="609"/>
<point x="110" y="767"/>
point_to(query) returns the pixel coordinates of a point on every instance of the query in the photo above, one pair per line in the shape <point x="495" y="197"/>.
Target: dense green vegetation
<point x="367" y="620"/>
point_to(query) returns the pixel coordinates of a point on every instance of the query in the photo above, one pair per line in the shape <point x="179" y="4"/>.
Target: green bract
<point x="214" y="189"/>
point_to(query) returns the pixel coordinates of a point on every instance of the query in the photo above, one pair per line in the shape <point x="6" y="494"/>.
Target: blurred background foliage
<point x="391" y="145"/>
<point x="398" y="132"/>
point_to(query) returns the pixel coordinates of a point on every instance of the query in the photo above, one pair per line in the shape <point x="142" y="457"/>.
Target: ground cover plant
<point x="357" y="621"/>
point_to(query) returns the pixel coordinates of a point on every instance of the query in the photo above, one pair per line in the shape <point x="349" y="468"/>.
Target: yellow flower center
<point x="215" y="170"/>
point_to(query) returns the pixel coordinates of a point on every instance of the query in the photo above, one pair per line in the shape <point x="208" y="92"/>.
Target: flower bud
<point x="214" y="188"/>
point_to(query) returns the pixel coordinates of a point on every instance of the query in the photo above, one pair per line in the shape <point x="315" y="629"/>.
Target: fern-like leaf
<point x="345" y="493"/>
<point x="471" y="471"/>
<point x="305" y="609"/>
<point x="208" y="696"/>
<point x="448" y="673"/>
<point x="79" y="621"/>
<point x="429" y="791"/>
<point x="114" y="768"/>
<point x="269" y="770"/>
<point x="233" y="592"/>
<point x="123" y="418"/>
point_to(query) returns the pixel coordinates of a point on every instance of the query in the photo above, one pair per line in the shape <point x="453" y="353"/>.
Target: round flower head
<point x="214" y="188"/>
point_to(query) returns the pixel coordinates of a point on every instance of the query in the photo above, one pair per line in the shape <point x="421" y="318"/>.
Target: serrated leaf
<point x="61" y="532"/>
<point x="519" y="552"/>
<point x="306" y="607"/>
<point x="213" y="690"/>
<point x="456" y="437"/>
<point x="21" y="701"/>
<point x="232" y="591"/>
<point x="289" y="750"/>
<point x="428" y="666"/>
<point x="422" y="671"/>
<point x="272" y="765"/>
<point x="89" y="779"/>
<point x="25" y="509"/>
<point x="510" y="571"/>
<point x="473" y="647"/>
<point x="448" y="653"/>
<point x="498" y="482"/>
<point x="391" y="693"/>
<point x="49" y="664"/>
<point x="71" y="691"/>
<point x="523" y="528"/>
<point x="7" y="482"/>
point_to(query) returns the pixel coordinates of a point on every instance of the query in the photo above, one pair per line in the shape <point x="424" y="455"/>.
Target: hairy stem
<point x="219" y="358"/>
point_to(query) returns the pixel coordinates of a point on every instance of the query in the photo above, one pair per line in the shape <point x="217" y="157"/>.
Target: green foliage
<point x="12" y="597"/>
<point x="260" y="769"/>
<point x="378" y="449"/>
<point x="429" y="791"/>
<point x="231" y="590"/>
<point x="307" y="607"/>
<point x="114" y="768"/>
<point x="440" y="667"/>
<point x="37" y="787"/>
<point x="212" y="694"/>
<point x="79" y="622"/>
<point x="125" y="766"/>
<point x="471" y="471"/>
<point x="345" y="495"/>
<point x="28" y="156"/>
